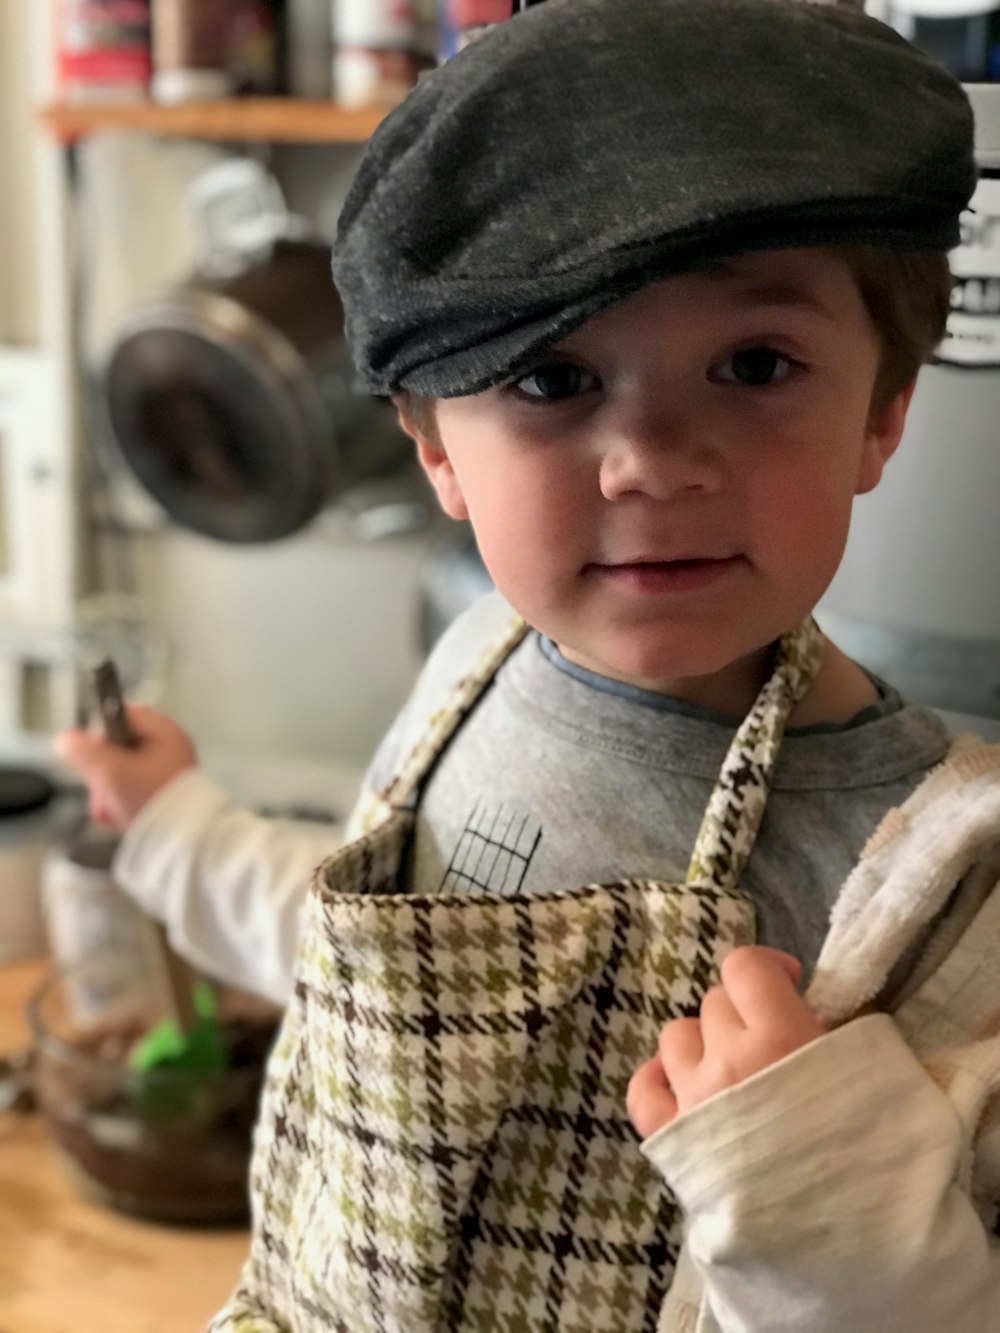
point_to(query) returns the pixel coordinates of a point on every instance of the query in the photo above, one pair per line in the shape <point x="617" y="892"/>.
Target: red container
<point x="103" y="48"/>
<point x="477" y="13"/>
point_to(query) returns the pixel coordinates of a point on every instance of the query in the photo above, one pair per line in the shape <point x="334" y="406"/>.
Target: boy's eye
<point x="756" y="366"/>
<point x="555" y="380"/>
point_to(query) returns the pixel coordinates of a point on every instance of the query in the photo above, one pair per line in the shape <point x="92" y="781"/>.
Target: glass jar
<point x="167" y="1144"/>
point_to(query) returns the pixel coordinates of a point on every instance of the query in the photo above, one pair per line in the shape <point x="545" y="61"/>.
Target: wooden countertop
<point x="68" y="1266"/>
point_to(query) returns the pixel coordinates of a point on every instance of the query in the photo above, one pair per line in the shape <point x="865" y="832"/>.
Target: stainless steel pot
<point x="233" y="398"/>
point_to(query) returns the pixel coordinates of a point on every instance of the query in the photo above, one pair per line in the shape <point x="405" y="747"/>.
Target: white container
<point x="386" y="24"/>
<point x="372" y="77"/>
<point x="88" y="916"/>
<point x="171" y="86"/>
<point x="29" y="815"/>
<point x="24" y="843"/>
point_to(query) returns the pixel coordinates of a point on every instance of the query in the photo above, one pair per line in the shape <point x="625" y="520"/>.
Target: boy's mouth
<point x="683" y="574"/>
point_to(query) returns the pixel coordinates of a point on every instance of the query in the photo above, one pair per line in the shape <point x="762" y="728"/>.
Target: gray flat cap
<point x="589" y="147"/>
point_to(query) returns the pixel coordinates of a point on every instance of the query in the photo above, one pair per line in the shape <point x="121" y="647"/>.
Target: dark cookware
<point x="233" y="399"/>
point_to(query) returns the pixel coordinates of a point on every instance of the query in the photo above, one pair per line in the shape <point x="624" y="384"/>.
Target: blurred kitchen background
<point x="287" y="657"/>
<point x="190" y="482"/>
<point x="186" y="474"/>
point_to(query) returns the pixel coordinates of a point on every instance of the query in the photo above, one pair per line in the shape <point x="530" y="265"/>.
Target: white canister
<point x="372" y="77"/>
<point x="28" y="827"/>
<point x="89" y="916"/>
<point x="383" y="24"/>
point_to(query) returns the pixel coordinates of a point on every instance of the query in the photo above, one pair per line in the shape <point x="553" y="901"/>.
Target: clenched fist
<point x="751" y="1020"/>
<point x="122" y="779"/>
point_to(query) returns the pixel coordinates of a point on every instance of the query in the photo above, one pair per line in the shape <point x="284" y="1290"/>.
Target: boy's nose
<point x="659" y="462"/>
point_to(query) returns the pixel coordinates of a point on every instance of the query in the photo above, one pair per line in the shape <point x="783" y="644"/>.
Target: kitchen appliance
<point x="916" y="596"/>
<point x="232" y="398"/>
<point x="964" y="35"/>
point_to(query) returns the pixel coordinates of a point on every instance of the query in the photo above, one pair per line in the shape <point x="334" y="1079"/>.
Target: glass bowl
<point x="167" y="1144"/>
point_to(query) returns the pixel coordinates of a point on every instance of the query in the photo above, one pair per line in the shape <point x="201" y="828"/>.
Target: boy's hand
<point x="753" y="1019"/>
<point x="121" y="779"/>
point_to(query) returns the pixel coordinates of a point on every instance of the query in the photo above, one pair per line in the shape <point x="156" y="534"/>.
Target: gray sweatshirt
<point x="560" y="777"/>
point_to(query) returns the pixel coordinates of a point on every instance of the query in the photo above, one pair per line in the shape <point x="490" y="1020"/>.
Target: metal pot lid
<point x="215" y="414"/>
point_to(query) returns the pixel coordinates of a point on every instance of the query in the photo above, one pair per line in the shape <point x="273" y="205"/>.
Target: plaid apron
<point x="443" y="1141"/>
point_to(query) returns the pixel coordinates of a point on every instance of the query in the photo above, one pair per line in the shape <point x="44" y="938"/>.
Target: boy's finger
<point x="76" y="747"/>
<point x="766" y="957"/>
<point x="649" y="1100"/>
<point x="99" y="812"/>
<point x="761" y="982"/>
<point x="89" y="754"/>
<point x="681" y="1044"/>
<point x="719" y="1016"/>
<point x="145" y="721"/>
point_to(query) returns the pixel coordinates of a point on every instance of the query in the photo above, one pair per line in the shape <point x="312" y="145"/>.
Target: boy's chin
<point x="662" y="667"/>
<point x="722" y="668"/>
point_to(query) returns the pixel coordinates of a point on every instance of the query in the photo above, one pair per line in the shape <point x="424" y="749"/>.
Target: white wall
<point x="924" y="550"/>
<point x="18" y="288"/>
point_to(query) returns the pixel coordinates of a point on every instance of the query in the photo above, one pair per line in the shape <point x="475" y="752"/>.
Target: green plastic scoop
<point x="175" y="1064"/>
<point x="198" y="1048"/>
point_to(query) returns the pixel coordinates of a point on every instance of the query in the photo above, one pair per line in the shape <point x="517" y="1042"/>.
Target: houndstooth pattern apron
<point x="443" y="1142"/>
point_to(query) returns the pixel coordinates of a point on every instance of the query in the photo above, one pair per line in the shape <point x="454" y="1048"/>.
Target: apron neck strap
<point x="443" y="723"/>
<point x="736" y="808"/>
<point x="732" y="819"/>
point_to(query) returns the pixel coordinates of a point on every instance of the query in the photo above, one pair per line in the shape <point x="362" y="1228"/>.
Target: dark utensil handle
<point x="178" y="976"/>
<point x="107" y="686"/>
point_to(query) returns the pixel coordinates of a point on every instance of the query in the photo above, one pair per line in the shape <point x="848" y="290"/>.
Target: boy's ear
<point x="435" y="462"/>
<point x="882" y="435"/>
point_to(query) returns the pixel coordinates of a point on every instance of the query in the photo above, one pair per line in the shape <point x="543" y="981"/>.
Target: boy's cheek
<point x="451" y="499"/>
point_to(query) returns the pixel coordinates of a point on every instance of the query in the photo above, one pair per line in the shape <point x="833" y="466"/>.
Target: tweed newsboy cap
<point x="589" y="147"/>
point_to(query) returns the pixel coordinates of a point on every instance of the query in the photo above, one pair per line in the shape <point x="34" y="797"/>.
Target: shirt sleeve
<point x="228" y="884"/>
<point x="823" y="1194"/>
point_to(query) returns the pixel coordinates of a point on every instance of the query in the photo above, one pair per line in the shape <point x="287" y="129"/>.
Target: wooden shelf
<point x="257" y="119"/>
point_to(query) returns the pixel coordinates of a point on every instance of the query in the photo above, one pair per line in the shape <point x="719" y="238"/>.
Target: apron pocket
<point x="457" y="1149"/>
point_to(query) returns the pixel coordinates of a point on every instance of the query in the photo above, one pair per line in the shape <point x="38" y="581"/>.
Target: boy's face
<point x="670" y="490"/>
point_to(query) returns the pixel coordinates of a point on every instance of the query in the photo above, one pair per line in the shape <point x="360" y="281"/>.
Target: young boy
<point x="650" y="283"/>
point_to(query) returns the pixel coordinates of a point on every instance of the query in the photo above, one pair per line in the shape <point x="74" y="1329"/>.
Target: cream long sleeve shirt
<point x="853" y="1187"/>
<point x="825" y="1195"/>
<point x="228" y="884"/>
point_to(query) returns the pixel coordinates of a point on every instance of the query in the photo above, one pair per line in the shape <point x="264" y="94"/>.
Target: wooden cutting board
<point x="68" y="1266"/>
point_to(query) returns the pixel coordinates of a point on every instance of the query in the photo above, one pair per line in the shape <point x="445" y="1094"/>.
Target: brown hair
<point x="907" y="294"/>
<point x="418" y="410"/>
